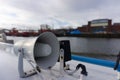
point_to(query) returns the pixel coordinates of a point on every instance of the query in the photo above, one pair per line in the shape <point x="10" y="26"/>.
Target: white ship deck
<point x="9" y="70"/>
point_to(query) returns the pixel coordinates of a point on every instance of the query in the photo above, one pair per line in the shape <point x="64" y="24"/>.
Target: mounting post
<point x="23" y="74"/>
<point x="62" y="62"/>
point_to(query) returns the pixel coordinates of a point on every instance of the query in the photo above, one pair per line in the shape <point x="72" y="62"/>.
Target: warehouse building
<point x="100" y="26"/>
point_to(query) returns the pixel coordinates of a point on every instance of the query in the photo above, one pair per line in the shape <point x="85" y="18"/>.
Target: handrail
<point x="105" y="63"/>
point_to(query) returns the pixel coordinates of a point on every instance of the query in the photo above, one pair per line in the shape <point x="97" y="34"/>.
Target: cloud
<point x="29" y="12"/>
<point x="57" y="12"/>
<point x="83" y="5"/>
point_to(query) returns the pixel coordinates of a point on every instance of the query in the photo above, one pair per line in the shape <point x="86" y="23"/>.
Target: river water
<point x="105" y="48"/>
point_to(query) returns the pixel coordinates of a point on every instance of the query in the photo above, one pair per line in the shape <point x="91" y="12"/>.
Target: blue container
<point x="75" y="32"/>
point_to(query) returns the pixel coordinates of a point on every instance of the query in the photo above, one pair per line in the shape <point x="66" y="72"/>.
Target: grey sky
<point x="57" y="12"/>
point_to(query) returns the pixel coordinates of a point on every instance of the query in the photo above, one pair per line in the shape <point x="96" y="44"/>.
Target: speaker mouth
<point x="46" y="50"/>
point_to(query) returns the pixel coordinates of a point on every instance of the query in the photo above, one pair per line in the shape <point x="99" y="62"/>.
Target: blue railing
<point x="100" y="62"/>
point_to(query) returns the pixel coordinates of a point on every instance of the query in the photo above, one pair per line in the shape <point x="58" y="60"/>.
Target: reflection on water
<point x="104" y="48"/>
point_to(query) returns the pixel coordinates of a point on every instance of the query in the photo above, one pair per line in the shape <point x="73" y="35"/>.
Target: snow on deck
<point x="9" y="70"/>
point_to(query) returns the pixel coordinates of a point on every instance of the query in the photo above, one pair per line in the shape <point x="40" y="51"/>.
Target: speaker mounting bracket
<point x="64" y="72"/>
<point x="23" y="74"/>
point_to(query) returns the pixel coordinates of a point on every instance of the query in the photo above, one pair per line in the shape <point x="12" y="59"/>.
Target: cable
<point x="83" y="67"/>
<point x="84" y="72"/>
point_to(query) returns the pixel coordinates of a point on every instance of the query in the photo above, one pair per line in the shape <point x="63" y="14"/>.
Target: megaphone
<point x="43" y="50"/>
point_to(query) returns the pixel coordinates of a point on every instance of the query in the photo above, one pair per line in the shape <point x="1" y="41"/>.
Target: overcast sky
<point x="57" y="13"/>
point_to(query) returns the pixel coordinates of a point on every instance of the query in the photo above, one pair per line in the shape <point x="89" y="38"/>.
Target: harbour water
<point x="105" y="48"/>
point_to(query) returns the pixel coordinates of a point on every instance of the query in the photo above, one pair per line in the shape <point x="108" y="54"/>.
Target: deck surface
<point x="9" y="70"/>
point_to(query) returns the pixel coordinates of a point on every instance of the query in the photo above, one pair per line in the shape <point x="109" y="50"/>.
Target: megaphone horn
<point x="43" y="50"/>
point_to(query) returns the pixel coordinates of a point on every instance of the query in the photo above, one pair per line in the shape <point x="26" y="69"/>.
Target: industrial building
<point x="100" y="26"/>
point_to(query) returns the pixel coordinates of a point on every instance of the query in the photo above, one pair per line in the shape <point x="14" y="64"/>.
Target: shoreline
<point x="91" y="35"/>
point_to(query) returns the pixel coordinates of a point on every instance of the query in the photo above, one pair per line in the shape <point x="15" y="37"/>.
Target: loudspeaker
<point x="65" y="45"/>
<point x="43" y="50"/>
